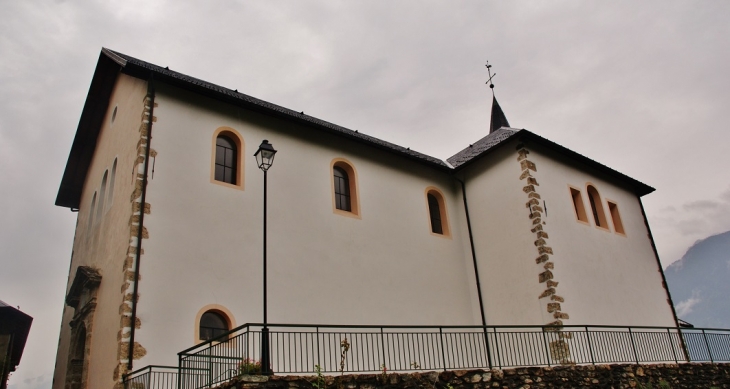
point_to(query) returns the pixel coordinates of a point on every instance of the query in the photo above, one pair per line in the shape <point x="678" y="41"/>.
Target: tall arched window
<point x="437" y="212"/>
<point x="90" y="220"/>
<point x="344" y="188"/>
<point x="102" y="197"/>
<point x="226" y="160"/>
<point x="110" y="197"/>
<point x="212" y="325"/>
<point x="599" y="216"/>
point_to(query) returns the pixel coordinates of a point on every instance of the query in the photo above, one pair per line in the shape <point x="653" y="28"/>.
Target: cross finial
<point x="489" y="81"/>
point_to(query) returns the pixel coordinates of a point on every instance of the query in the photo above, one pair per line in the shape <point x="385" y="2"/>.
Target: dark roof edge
<point x="142" y="69"/>
<point x="526" y="136"/>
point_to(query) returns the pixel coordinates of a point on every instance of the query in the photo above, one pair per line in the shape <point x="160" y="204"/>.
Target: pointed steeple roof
<point x="498" y="119"/>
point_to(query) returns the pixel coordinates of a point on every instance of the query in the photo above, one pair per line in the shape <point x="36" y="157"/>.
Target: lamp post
<point x="265" y="158"/>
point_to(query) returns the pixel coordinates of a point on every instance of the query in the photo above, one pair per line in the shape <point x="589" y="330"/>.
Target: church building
<point x="512" y="230"/>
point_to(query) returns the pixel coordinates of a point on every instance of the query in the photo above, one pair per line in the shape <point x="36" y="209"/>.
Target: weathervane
<point x="489" y="81"/>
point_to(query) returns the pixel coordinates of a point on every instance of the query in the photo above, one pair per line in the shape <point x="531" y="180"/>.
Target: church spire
<point x="498" y="119"/>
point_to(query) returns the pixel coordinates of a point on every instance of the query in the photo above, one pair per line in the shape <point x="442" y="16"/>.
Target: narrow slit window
<point x="342" y="189"/>
<point x="110" y="198"/>
<point x="580" y="209"/>
<point x="226" y="158"/>
<point x="599" y="217"/>
<point x="102" y="197"/>
<point x="618" y="226"/>
<point x="90" y="221"/>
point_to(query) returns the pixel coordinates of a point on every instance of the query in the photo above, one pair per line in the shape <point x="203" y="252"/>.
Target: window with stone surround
<point x="345" y="199"/>
<point x="213" y="324"/>
<point x="227" y="165"/>
<point x="437" y="212"/>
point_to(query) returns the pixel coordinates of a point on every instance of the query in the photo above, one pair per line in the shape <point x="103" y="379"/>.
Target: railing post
<point x="671" y="343"/>
<point x="179" y="371"/>
<point x="496" y="347"/>
<point x="633" y="346"/>
<point x="443" y="353"/>
<point x="210" y="366"/>
<point x="318" y="360"/>
<point x="590" y="346"/>
<point x="709" y="352"/>
<point x="545" y="342"/>
<point x="486" y="344"/>
<point x="382" y="351"/>
<point x="149" y="378"/>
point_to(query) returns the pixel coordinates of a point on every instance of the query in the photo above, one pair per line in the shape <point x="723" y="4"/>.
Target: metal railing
<point x="298" y="348"/>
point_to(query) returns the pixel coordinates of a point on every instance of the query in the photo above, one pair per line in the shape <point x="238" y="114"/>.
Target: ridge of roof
<point x="475" y="149"/>
<point x="184" y="80"/>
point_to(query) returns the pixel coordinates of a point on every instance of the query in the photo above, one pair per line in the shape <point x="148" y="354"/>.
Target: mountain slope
<point x="700" y="283"/>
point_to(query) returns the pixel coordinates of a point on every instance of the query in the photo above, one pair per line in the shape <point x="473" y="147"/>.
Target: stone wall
<point x="686" y="375"/>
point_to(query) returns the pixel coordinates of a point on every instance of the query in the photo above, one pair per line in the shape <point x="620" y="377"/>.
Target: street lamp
<point x="265" y="158"/>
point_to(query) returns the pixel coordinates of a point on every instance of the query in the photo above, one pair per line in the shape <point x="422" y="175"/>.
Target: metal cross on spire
<point x="489" y="81"/>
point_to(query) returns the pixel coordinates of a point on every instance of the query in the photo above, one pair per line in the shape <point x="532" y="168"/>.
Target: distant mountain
<point x="700" y="283"/>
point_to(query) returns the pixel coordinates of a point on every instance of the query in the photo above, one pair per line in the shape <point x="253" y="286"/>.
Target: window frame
<point x="217" y="309"/>
<point x="237" y="139"/>
<point x="353" y="186"/>
<point x="443" y="213"/>
<point x="579" y="208"/>
<point x="597" y="209"/>
<point x="613" y="211"/>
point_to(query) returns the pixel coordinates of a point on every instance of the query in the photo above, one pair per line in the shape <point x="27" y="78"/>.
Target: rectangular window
<point x="580" y="209"/>
<point x="616" y="217"/>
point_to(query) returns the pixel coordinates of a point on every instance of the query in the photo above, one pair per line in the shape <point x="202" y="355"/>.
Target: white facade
<point x="380" y="265"/>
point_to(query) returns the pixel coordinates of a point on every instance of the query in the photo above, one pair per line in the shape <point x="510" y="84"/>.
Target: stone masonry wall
<point x="686" y="375"/>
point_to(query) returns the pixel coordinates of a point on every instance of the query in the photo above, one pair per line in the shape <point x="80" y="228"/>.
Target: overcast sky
<point x="642" y="87"/>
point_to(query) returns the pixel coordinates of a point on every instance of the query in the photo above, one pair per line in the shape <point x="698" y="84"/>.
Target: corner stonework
<point x="559" y="349"/>
<point x="129" y="265"/>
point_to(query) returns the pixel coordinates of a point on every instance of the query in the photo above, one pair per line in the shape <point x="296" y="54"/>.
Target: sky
<point x="641" y="87"/>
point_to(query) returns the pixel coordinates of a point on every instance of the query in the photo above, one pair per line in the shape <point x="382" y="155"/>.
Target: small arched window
<point x="212" y="325"/>
<point x="437" y="212"/>
<point x="344" y="187"/>
<point x="226" y="160"/>
<point x="599" y="216"/>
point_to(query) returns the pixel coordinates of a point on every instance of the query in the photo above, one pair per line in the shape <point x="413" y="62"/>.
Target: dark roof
<point x="499" y="138"/>
<point x="482" y="145"/>
<point x="111" y="63"/>
<point x="498" y="119"/>
<point x="13" y="321"/>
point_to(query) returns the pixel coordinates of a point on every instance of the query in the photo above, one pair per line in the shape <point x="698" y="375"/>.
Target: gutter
<point x="135" y="294"/>
<point x="476" y="271"/>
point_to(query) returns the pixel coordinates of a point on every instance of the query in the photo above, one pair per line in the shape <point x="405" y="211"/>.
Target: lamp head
<point x="265" y="155"/>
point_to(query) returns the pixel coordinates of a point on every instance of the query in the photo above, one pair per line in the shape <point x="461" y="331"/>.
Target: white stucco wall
<point x="605" y="278"/>
<point x="205" y="244"/>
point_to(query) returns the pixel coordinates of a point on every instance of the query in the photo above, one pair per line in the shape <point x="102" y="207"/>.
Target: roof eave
<point x="638" y="187"/>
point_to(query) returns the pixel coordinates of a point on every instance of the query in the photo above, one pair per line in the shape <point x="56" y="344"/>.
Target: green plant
<point x="320" y="382"/>
<point x="415" y="365"/>
<point x="384" y="374"/>
<point x="249" y="366"/>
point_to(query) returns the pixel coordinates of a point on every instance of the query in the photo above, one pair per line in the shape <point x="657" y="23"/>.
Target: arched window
<point x="110" y="198"/>
<point x="90" y="220"/>
<point x="437" y="212"/>
<point x="599" y="217"/>
<point x="618" y="226"/>
<point x="227" y="164"/>
<point x="226" y="158"/>
<point x="344" y="188"/>
<point x="102" y="197"/>
<point x="212" y="325"/>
